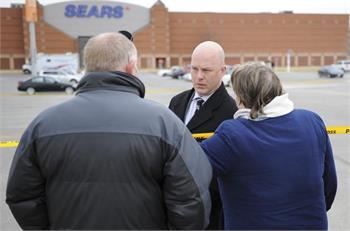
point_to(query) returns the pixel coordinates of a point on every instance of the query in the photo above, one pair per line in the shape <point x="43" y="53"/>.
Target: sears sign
<point x="88" y="18"/>
<point x="86" y="11"/>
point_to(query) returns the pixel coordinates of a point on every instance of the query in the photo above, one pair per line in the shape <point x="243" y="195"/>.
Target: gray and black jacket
<point x="109" y="159"/>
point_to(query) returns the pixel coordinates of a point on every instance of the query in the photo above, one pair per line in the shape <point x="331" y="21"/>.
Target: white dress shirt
<point x="192" y="108"/>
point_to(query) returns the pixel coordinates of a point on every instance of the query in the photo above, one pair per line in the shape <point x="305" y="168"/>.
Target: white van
<point x="65" y="62"/>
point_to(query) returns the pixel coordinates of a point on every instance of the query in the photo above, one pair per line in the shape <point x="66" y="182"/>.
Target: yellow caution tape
<point x="202" y="136"/>
<point x="8" y="144"/>
<point x="338" y="130"/>
<point x="332" y="130"/>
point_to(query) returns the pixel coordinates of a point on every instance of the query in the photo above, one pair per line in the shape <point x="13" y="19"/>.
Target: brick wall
<point x="11" y="38"/>
<point x="170" y="37"/>
<point x="245" y="37"/>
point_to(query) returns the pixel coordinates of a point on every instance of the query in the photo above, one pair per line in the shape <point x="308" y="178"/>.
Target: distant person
<point x="274" y="163"/>
<point x="127" y="34"/>
<point x="108" y="158"/>
<point x="206" y="105"/>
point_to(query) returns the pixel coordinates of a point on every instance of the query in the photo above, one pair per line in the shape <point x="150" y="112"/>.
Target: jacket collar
<point x="111" y="80"/>
<point x="208" y="108"/>
<point x="279" y="106"/>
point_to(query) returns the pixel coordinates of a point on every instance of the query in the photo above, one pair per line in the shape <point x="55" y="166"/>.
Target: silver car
<point x="331" y="71"/>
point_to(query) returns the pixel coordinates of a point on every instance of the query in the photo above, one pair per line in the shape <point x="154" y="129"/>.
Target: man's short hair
<point x="108" y="52"/>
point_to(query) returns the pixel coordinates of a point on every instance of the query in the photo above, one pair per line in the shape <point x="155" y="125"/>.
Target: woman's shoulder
<point x="231" y="126"/>
<point x="307" y="113"/>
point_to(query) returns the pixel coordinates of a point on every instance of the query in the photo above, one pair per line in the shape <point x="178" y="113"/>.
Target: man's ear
<point x="131" y="67"/>
<point x="223" y="68"/>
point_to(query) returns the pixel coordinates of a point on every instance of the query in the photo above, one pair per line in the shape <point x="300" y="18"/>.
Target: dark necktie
<point x="199" y="105"/>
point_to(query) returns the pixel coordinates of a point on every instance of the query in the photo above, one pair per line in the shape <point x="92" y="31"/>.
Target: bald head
<point x="211" y="50"/>
<point x="109" y="52"/>
<point x="207" y="67"/>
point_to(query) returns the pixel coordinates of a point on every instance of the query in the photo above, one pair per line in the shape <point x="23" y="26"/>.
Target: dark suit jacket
<point x="219" y="107"/>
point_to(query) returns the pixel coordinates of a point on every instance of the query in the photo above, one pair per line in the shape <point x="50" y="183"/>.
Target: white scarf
<point x="279" y="106"/>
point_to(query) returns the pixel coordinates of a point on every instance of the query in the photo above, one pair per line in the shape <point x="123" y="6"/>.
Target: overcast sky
<point x="244" y="6"/>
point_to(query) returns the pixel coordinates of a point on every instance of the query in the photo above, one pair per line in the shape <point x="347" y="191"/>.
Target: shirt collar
<point x="205" y="97"/>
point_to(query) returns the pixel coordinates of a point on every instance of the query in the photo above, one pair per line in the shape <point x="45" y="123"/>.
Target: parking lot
<point x="330" y="98"/>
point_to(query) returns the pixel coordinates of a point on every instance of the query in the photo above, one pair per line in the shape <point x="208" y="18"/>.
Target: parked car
<point x="187" y="76"/>
<point x="168" y="72"/>
<point x="178" y="73"/>
<point x="331" y="71"/>
<point x="63" y="76"/>
<point x="44" y="83"/>
<point x="164" y="72"/>
<point x="343" y="64"/>
<point x="174" y="72"/>
<point x="227" y="77"/>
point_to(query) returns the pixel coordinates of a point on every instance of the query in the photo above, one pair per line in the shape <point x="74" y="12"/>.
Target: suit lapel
<point x="181" y="106"/>
<point x="206" y="111"/>
<point x="199" y="118"/>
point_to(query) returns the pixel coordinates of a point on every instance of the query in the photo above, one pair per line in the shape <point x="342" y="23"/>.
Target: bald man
<point x="206" y="105"/>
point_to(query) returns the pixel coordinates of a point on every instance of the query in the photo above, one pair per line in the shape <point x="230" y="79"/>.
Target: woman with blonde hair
<point x="274" y="163"/>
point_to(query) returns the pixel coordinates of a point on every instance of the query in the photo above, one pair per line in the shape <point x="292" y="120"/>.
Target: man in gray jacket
<point x="108" y="158"/>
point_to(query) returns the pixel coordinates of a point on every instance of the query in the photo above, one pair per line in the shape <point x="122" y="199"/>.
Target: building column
<point x="153" y="62"/>
<point x="283" y="60"/>
<point x="167" y="62"/>
<point x="12" y="62"/>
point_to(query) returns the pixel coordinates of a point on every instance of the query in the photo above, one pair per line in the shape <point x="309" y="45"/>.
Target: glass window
<point x="49" y="80"/>
<point x="38" y="80"/>
<point x="50" y="72"/>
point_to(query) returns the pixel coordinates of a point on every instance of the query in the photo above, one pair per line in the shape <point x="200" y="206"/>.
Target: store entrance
<point x="160" y="62"/>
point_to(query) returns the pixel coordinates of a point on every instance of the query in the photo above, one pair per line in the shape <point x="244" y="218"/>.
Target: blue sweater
<point x="276" y="173"/>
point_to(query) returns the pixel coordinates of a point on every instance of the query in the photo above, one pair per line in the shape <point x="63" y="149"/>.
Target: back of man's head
<point x="109" y="52"/>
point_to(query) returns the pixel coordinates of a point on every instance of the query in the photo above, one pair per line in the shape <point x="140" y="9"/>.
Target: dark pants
<point x="216" y="221"/>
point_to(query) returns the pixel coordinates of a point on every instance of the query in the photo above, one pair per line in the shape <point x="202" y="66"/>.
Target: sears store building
<point x="165" y="38"/>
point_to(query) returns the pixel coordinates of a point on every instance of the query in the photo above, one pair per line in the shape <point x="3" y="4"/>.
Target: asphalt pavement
<point x="330" y="98"/>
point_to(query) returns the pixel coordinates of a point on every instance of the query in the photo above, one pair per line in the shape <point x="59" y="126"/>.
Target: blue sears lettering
<point x="118" y="12"/>
<point x="93" y="12"/>
<point x="81" y="11"/>
<point x="106" y="10"/>
<point x="86" y="11"/>
<point x="69" y="11"/>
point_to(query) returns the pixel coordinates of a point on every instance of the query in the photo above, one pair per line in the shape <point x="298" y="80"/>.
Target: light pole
<point x="31" y="17"/>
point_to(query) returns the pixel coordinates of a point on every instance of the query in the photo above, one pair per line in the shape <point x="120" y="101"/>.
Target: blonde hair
<point x="255" y="85"/>
<point x="109" y="52"/>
